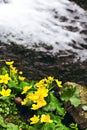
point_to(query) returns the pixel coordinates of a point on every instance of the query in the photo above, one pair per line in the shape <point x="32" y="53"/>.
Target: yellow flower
<point x="41" y="83"/>
<point x="25" y="89"/>
<point x="42" y="91"/>
<point x="38" y="99"/>
<point x="21" y="72"/>
<point x="37" y="96"/>
<point x="4" y="79"/>
<point x="21" y="78"/>
<point x="58" y="83"/>
<point x="9" y="62"/>
<point x="30" y="95"/>
<point x="5" y="92"/>
<point x="13" y="69"/>
<point x="35" y="106"/>
<point x="40" y="103"/>
<point x="46" y="118"/>
<point x="51" y="79"/>
<point x="24" y="102"/>
<point x="34" y="119"/>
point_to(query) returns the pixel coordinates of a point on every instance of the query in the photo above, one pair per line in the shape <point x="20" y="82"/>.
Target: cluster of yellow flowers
<point x="38" y="96"/>
<point x="44" y="118"/>
<point x="35" y="94"/>
<point x="5" y="78"/>
<point x="13" y="69"/>
<point x="48" y="81"/>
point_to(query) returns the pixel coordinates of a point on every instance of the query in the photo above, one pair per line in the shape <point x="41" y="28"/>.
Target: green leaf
<point x="48" y="126"/>
<point x="75" y="99"/>
<point x="2" y="122"/>
<point x="12" y="84"/>
<point x="71" y="94"/>
<point x="4" y="70"/>
<point x="54" y="105"/>
<point x="32" y="128"/>
<point x="74" y="126"/>
<point x="61" y="127"/>
<point x="67" y="93"/>
<point x="56" y="119"/>
<point x="13" y="76"/>
<point x="58" y="123"/>
<point x="53" y="126"/>
<point x="11" y="126"/>
<point x="23" y="84"/>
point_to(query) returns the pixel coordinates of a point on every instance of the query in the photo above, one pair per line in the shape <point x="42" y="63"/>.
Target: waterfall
<point x="60" y="25"/>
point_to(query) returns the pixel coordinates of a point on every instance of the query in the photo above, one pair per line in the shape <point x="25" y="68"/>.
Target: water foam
<point x="57" y="23"/>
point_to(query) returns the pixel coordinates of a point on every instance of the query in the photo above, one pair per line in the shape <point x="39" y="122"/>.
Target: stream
<point x="45" y="37"/>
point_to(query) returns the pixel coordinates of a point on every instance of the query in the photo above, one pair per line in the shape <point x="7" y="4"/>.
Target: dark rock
<point x="83" y="32"/>
<point x="71" y="28"/>
<point x="37" y="65"/>
<point x="79" y="114"/>
<point x="63" y="19"/>
<point x="76" y="17"/>
<point x="70" y="10"/>
<point x="84" y="46"/>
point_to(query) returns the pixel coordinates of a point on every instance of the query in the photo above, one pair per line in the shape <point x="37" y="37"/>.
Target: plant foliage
<point x="45" y="111"/>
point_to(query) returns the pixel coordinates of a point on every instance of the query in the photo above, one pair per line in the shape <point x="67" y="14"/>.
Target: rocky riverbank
<point x="37" y="65"/>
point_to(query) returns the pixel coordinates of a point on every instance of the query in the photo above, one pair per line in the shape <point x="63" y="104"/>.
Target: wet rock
<point x="37" y="65"/>
<point x="84" y="32"/>
<point x="70" y="10"/>
<point x="63" y="19"/>
<point x="76" y="17"/>
<point x="84" y="46"/>
<point x="45" y="46"/>
<point x="79" y="114"/>
<point x="71" y="28"/>
<point x="85" y="39"/>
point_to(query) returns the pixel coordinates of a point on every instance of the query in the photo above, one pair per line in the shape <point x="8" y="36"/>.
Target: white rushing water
<point x="57" y="23"/>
